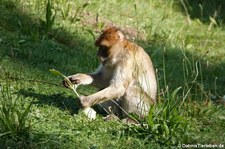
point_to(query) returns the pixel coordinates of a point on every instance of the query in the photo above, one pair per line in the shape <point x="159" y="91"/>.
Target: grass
<point x="183" y="40"/>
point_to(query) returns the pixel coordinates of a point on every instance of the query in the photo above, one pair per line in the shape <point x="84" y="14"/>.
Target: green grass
<point x="186" y="46"/>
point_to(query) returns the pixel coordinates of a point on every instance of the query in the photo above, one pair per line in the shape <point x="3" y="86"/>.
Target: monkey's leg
<point x="135" y="101"/>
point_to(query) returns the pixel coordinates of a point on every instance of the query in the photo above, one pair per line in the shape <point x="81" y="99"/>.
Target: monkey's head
<point x="109" y="37"/>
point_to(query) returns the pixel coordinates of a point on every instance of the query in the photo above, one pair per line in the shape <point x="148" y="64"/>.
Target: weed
<point x="13" y="117"/>
<point x="79" y="12"/>
<point x="164" y="124"/>
<point x="49" y="17"/>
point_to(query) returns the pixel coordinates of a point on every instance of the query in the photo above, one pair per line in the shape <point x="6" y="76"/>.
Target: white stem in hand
<point x="74" y="88"/>
<point x="89" y="112"/>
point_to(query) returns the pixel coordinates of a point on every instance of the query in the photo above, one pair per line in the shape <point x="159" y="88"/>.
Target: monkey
<point x="125" y="77"/>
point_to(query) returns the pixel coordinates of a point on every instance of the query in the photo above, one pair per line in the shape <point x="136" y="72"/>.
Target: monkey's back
<point x="146" y="73"/>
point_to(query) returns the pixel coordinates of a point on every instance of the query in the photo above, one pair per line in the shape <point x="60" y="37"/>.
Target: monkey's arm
<point x="111" y="92"/>
<point x="96" y="79"/>
<point x="115" y="90"/>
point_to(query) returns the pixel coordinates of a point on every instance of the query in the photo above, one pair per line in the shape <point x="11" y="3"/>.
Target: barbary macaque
<point x="125" y="77"/>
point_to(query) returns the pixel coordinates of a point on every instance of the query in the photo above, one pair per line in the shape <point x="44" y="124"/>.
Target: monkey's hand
<point x="85" y="102"/>
<point x="79" y="78"/>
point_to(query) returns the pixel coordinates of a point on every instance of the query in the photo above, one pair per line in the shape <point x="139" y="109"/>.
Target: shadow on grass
<point x="21" y="22"/>
<point x="25" y="41"/>
<point x="58" y="100"/>
<point x="204" y="9"/>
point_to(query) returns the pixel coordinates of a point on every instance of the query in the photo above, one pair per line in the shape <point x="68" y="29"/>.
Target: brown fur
<point x="125" y="77"/>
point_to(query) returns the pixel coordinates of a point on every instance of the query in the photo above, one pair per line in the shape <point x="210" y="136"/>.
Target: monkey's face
<point x="107" y="39"/>
<point x="103" y="52"/>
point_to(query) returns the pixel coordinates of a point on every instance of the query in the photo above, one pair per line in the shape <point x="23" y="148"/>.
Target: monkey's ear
<point x="121" y="35"/>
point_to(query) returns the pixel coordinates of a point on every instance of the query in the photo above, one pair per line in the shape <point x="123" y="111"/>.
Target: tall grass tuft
<point x="193" y="79"/>
<point x="164" y="124"/>
<point x="14" y="126"/>
<point x="49" y="16"/>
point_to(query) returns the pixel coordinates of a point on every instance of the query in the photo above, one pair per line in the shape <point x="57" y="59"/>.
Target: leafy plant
<point x="65" y="10"/>
<point x="13" y="116"/>
<point x="164" y="124"/>
<point x="79" y="12"/>
<point x="49" y="16"/>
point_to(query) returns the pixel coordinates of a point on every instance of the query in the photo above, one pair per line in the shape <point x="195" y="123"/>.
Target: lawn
<point x="185" y="40"/>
